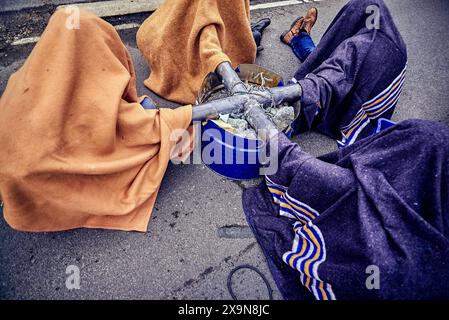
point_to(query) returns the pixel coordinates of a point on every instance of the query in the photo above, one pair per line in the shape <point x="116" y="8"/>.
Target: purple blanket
<point x="378" y="208"/>
<point x="355" y="75"/>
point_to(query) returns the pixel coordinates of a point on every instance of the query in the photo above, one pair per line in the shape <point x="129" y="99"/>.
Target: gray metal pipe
<point x="248" y="103"/>
<point x="212" y="109"/>
<point x="288" y="94"/>
<point x="235" y="104"/>
<point x="259" y="120"/>
<point x="230" y="78"/>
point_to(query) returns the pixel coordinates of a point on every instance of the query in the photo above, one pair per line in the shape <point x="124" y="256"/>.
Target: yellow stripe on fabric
<point x="275" y="191"/>
<point x="286" y="203"/>
<point x="273" y="184"/>
<point x="287" y="206"/>
<point x="390" y="93"/>
<point x="293" y="257"/>
<point x="317" y="254"/>
<point x="307" y="284"/>
<point x="300" y="209"/>
<point x="360" y="117"/>
<point x="348" y="134"/>
<point x="383" y="97"/>
<point x="355" y="125"/>
<point x="323" y="292"/>
<point x="400" y="77"/>
<point x="384" y="107"/>
<point x="359" y="114"/>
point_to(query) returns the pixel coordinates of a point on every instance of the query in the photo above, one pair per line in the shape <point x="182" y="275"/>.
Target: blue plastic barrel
<point x="238" y="148"/>
<point x="231" y="156"/>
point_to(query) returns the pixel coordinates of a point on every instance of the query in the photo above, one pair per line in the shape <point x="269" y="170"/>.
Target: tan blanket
<point x="184" y="40"/>
<point x="77" y="149"/>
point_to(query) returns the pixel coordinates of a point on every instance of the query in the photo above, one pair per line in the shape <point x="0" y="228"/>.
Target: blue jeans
<point x="302" y="45"/>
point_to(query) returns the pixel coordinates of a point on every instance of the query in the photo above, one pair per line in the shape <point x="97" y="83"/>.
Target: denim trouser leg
<point x="302" y="45"/>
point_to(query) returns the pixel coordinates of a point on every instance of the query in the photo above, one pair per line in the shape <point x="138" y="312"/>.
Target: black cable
<point x="247" y="266"/>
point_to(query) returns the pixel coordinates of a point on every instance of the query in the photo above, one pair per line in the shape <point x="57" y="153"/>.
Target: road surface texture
<point x="184" y="254"/>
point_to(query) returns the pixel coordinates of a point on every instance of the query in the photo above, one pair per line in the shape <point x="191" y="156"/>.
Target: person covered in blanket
<point x="355" y="75"/>
<point x="88" y="152"/>
<point x="80" y="151"/>
<point x="369" y="221"/>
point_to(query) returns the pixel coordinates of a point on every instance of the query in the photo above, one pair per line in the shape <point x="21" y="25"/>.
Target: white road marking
<point x="123" y="7"/>
<point x="126" y="26"/>
<point x="29" y="40"/>
<point x="118" y="7"/>
<point x="25" y="41"/>
<point x="278" y="4"/>
<point x="270" y="5"/>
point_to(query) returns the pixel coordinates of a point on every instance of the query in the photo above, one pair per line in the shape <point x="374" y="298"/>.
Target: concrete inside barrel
<point x="216" y="132"/>
<point x="256" y="80"/>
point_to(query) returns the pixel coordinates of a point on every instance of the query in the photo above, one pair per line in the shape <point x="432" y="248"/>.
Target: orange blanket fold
<point x="78" y="150"/>
<point x="184" y="40"/>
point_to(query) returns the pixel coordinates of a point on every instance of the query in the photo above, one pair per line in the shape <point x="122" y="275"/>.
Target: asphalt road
<point x="182" y="254"/>
<point x="13" y="5"/>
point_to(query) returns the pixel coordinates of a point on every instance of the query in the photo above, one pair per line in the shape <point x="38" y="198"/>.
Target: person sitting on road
<point x="354" y="76"/>
<point x="79" y="150"/>
<point x="371" y="220"/>
<point x="349" y="81"/>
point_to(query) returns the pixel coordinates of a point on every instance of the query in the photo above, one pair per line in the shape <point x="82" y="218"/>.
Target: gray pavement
<point x="15" y="5"/>
<point x="183" y="254"/>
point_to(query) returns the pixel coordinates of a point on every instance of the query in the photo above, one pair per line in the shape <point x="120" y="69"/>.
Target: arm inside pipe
<point x="212" y="109"/>
<point x="230" y="78"/>
<point x="259" y="120"/>
<point x="235" y="104"/>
